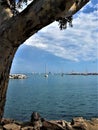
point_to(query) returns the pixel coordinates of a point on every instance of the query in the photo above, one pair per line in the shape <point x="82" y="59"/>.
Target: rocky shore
<point x="39" y="123"/>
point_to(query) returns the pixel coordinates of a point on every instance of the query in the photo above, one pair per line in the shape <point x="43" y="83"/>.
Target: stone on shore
<point x="27" y="128"/>
<point x="11" y="126"/>
<point x="36" y="120"/>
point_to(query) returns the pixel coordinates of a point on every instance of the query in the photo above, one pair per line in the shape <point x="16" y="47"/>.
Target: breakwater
<point x="17" y="76"/>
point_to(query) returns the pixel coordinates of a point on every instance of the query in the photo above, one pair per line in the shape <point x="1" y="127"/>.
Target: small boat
<point x="46" y="75"/>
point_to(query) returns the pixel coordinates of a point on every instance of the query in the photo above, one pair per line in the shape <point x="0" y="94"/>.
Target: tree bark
<point x="6" y="55"/>
<point x="15" y="30"/>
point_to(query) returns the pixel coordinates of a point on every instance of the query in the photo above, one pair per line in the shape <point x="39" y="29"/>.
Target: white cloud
<point x="77" y="43"/>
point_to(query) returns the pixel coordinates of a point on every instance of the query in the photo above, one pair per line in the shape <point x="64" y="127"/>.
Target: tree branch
<point x="37" y="15"/>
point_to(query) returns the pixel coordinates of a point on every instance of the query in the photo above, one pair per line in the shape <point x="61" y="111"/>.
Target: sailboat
<point x="46" y="75"/>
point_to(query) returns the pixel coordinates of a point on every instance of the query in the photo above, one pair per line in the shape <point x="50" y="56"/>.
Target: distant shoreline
<point x="76" y="73"/>
<point x="24" y="76"/>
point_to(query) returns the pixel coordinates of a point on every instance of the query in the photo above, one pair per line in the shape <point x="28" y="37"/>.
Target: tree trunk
<point x="6" y="55"/>
<point x="15" y="30"/>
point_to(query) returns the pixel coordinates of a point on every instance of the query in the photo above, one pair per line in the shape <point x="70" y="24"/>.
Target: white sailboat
<point x="46" y="75"/>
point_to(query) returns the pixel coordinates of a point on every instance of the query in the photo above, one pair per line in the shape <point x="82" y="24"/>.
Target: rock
<point x="77" y="120"/>
<point x="25" y="124"/>
<point x="48" y="125"/>
<point x="79" y="123"/>
<point x="35" y="117"/>
<point x="60" y="123"/>
<point x="27" y="128"/>
<point x="94" y="120"/>
<point x="68" y="126"/>
<point x="11" y="126"/>
<point x="92" y="124"/>
<point x="1" y="127"/>
<point x="36" y="120"/>
<point x="6" y="121"/>
<point x="38" y="123"/>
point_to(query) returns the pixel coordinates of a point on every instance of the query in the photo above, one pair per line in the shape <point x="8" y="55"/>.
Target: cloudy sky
<point x="73" y="49"/>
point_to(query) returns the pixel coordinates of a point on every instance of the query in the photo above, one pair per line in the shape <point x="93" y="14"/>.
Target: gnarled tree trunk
<point x="15" y="30"/>
<point x="6" y="55"/>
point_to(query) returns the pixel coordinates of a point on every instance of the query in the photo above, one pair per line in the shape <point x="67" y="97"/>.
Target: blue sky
<point x="73" y="49"/>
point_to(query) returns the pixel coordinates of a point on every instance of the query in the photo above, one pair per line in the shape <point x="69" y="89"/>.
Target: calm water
<point x="55" y="97"/>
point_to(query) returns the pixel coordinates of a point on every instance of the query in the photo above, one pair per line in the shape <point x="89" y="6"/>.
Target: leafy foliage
<point x="64" y="21"/>
<point x="14" y="4"/>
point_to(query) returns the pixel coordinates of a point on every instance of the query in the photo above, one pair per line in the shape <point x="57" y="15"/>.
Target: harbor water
<point x="55" y="97"/>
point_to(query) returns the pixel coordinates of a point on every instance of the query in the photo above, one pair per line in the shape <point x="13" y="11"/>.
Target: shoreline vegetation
<point x="38" y="123"/>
